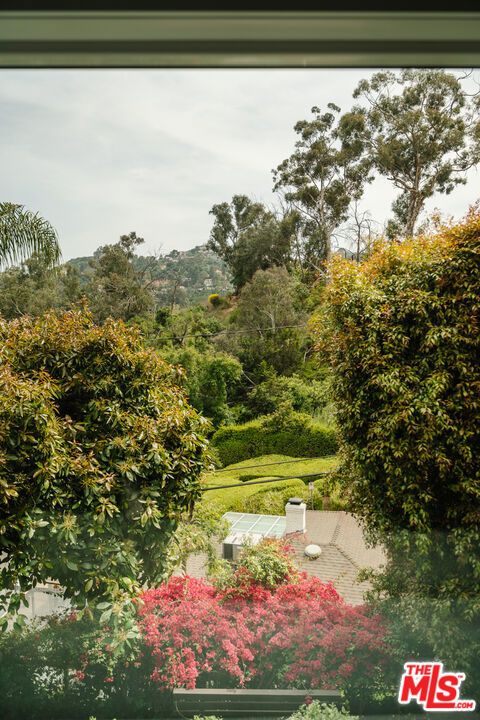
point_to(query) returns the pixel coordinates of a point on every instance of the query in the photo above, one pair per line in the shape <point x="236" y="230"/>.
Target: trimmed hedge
<point x="235" y="443"/>
<point x="268" y="499"/>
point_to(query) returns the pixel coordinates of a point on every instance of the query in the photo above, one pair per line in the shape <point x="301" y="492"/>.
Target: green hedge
<point x="235" y="443"/>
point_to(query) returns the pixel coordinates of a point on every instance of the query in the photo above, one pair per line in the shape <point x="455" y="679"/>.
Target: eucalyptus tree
<point x="326" y="172"/>
<point x="422" y="133"/>
<point x="23" y="234"/>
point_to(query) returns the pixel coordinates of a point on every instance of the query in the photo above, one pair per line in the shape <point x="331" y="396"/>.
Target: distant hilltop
<point x="188" y="276"/>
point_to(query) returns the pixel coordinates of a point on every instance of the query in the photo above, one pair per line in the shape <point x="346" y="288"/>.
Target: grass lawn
<point x="269" y="498"/>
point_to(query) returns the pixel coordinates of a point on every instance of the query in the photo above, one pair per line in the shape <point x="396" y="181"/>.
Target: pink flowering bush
<point x="298" y="634"/>
<point x="264" y="625"/>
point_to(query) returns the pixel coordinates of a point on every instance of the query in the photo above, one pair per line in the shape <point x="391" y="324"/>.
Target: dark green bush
<point x="235" y="443"/>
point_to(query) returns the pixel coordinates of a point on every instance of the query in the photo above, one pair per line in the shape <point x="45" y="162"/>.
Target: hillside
<point x="183" y="277"/>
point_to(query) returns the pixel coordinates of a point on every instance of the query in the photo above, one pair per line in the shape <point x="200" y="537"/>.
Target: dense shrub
<point x="100" y="454"/>
<point x="262" y="624"/>
<point x="210" y="380"/>
<point x="299" y="634"/>
<point x="267" y="436"/>
<point x="268" y="563"/>
<point x="307" y="396"/>
<point x="401" y="331"/>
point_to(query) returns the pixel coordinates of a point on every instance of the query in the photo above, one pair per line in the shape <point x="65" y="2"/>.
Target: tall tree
<point x="422" y="134"/>
<point x="323" y="175"/>
<point x="248" y="237"/>
<point x="23" y="233"/>
<point x="117" y="289"/>
<point x="360" y="231"/>
<point x="269" y="322"/>
<point x="101" y="455"/>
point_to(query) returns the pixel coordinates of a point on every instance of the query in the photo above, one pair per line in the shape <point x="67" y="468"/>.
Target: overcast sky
<point x="100" y="153"/>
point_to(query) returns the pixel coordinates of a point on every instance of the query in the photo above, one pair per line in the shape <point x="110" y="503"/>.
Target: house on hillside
<point x="327" y="544"/>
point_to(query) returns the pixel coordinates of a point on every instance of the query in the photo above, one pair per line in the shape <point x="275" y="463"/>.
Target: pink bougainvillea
<point x="300" y="633"/>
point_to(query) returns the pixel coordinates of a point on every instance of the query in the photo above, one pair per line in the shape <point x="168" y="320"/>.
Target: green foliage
<point x="301" y="437"/>
<point x="285" y="418"/>
<point x="181" y="328"/>
<point x="320" y="179"/>
<point x="117" y="289"/>
<point x="404" y="348"/>
<point x="420" y="133"/>
<point x="268" y="563"/>
<point x="248" y="237"/>
<point x="320" y="711"/>
<point x="210" y="380"/>
<point x="58" y="668"/>
<point x="309" y="397"/>
<point x="162" y="316"/>
<point x="184" y="338"/>
<point x="269" y="322"/>
<point x="198" y="533"/>
<point x="36" y="287"/>
<point x="100" y="454"/>
<point x="23" y="233"/>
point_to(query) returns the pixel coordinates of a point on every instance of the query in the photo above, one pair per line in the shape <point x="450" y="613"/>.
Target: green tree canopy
<point x="248" y="237"/>
<point x="23" y="233"/>
<point x="211" y="379"/>
<point x="100" y="454"/>
<point x="35" y="287"/>
<point x="422" y="134"/>
<point x="268" y="323"/>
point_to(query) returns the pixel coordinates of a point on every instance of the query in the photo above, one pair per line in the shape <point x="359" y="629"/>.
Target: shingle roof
<point x="344" y="551"/>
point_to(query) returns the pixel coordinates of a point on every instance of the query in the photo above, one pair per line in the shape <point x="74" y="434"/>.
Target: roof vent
<point x="313" y="551"/>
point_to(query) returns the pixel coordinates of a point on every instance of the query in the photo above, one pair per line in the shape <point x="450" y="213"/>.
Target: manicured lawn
<point x="270" y="497"/>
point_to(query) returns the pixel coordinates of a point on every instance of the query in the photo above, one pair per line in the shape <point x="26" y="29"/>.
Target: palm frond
<point x="23" y="233"/>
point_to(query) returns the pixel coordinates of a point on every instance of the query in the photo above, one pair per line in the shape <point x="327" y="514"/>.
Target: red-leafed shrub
<point x="298" y="634"/>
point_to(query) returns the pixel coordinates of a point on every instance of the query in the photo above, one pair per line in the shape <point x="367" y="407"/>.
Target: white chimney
<point x="296" y="514"/>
